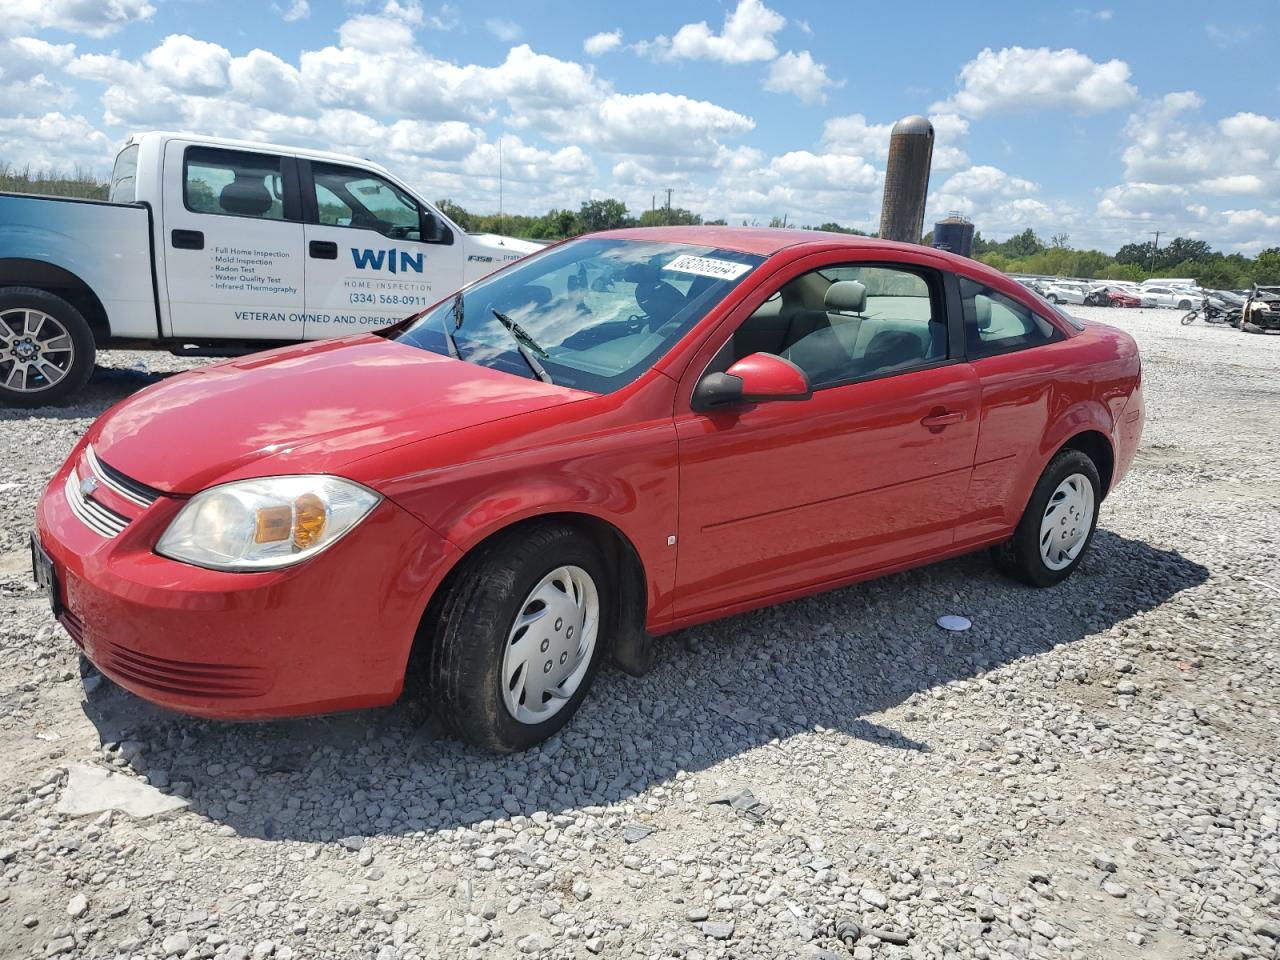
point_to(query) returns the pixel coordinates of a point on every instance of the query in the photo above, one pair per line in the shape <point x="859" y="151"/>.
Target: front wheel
<point x="1190" y="318"/>
<point x="1058" y="524"/>
<point x="46" y="348"/>
<point x="519" y="637"/>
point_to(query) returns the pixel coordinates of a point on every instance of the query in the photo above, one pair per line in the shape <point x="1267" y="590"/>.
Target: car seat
<point x="246" y="195"/>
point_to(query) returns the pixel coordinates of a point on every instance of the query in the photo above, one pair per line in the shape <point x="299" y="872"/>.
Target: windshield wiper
<point x="525" y="344"/>
<point x="450" y="340"/>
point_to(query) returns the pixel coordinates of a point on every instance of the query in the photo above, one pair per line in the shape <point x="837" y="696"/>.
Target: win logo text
<point x="387" y="259"/>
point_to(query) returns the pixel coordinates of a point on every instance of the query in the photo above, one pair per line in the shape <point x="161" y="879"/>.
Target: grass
<point x="54" y="183"/>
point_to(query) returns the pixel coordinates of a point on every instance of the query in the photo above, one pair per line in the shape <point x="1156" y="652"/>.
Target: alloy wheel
<point x="550" y="645"/>
<point x="36" y="350"/>
<point x="1068" y="518"/>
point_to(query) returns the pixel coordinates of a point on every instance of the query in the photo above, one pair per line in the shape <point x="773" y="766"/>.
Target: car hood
<point x="305" y="409"/>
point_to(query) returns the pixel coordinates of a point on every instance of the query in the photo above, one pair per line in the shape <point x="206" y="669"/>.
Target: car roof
<point x="257" y="146"/>
<point x="767" y="241"/>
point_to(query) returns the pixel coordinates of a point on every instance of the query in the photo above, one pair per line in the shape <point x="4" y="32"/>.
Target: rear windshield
<point x="593" y="313"/>
<point x="123" y="176"/>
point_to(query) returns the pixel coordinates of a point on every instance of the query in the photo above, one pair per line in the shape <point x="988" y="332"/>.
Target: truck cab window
<point x="233" y="184"/>
<point x="123" y="176"/>
<point x="356" y="198"/>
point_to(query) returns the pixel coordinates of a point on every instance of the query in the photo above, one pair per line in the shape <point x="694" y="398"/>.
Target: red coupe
<point x="616" y="437"/>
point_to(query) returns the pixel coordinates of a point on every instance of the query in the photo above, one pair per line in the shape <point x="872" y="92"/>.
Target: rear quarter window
<point x="124" y="176"/>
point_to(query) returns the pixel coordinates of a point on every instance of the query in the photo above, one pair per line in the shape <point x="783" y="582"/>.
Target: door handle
<point x="942" y="418"/>
<point x="323" y="250"/>
<point x="187" y="239"/>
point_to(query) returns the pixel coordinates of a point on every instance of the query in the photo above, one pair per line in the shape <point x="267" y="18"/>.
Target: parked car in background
<point x="1261" y="311"/>
<point x="214" y="247"/>
<point x="1066" y="291"/>
<point x="616" y="437"/>
<point x="1180" y="298"/>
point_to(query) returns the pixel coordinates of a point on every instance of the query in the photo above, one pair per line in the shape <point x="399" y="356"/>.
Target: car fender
<point x="1083" y="416"/>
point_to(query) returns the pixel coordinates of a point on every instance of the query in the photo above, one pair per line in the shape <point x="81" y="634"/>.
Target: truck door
<point x="374" y="254"/>
<point x="232" y="264"/>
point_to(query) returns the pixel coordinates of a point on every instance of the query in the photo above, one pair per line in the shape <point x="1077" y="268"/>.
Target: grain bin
<point x="906" y="180"/>
<point x="954" y="233"/>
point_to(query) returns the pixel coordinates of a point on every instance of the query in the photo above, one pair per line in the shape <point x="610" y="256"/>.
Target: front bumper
<point x="332" y="633"/>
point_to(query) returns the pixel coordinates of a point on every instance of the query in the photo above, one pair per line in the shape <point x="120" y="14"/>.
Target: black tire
<point x="480" y="604"/>
<point x="1190" y="318"/>
<point x="1019" y="556"/>
<point x="1184" y="304"/>
<point x="1248" y="327"/>
<point x="77" y="328"/>
<point x="1053" y="298"/>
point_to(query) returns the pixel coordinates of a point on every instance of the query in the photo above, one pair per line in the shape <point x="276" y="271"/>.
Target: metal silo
<point x="955" y="233"/>
<point x="906" y="180"/>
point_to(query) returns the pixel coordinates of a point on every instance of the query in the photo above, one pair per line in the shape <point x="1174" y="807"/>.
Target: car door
<point x="232" y="243"/>
<point x="1017" y="356"/>
<point x="869" y="472"/>
<point x="374" y="253"/>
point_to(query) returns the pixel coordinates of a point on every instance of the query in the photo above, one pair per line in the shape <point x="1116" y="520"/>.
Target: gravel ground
<point x="1089" y="772"/>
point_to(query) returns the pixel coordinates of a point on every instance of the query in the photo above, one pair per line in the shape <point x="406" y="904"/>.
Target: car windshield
<point x="590" y="314"/>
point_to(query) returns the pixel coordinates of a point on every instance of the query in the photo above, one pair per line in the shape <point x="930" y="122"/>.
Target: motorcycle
<point x="1213" y="311"/>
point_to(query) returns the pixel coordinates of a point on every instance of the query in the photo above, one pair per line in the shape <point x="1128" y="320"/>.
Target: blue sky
<point x="1104" y="122"/>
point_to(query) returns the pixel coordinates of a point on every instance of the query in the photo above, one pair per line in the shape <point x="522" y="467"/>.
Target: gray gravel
<point x="1089" y="772"/>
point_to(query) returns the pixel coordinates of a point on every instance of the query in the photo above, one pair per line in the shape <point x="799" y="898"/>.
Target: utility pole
<point x="500" y="230"/>
<point x="668" y="206"/>
<point x="1155" y="247"/>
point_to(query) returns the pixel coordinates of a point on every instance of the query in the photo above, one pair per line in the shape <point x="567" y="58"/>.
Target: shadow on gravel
<point x="718" y="691"/>
<point x="107" y="386"/>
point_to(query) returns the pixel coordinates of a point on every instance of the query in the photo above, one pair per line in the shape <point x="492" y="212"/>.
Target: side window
<point x="850" y="322"/>
<point x="357" y="198"/>
<point x="123" y="188"/>
<point x="994" y="323"/>
<point x="234" y="184"/>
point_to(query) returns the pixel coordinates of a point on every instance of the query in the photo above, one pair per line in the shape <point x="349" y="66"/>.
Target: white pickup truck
<point x="213" y="247"/>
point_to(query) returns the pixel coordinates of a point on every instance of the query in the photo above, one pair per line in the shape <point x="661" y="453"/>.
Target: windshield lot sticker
<point x="708" y="267"/>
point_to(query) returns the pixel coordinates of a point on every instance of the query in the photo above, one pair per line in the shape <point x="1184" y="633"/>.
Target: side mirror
<point x="758" y="378"/>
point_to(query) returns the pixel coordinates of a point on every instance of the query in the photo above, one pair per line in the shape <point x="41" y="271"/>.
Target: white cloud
<point x="446" y="19"/>
<point x="505" y="30"/>
<point x="747" y="36"/>
<point x="987" y="181"/>
<point x="798" y="74"/>
<point x="601" y="43"/>
<point x="52" y="141"/>
<point x="1016" y="78"/>
<point x="1239" y="154"/>
<point x="94" y="18"/>
<point x="298" y="10"/>
<point x="26" y="86"/>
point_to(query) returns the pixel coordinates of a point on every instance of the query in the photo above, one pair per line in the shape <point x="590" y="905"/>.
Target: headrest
<point x="982" y="311"/>
<point x="246" y="196"/>
<point x="847" y="295"/>
<point x="660" y="301"/>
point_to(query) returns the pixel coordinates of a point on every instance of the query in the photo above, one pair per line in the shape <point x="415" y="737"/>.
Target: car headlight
<point x="265" y="524"/>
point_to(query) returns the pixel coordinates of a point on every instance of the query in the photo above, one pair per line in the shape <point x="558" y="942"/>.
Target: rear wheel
<point x="1058" y="524"/>
<point x="46" y="348"/>
<point x="1184" y="304"/>
<point x="519" y="637"/>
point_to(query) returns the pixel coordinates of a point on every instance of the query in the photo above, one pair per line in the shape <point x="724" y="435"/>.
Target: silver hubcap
<point x="1067" y="521"/>
<point x="550" y="645"/>
<point x="36" y="351"/>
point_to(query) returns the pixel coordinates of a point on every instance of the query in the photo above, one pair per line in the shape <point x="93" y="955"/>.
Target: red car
<point x="616" y="437"/>
<point x="1120" y="298"/>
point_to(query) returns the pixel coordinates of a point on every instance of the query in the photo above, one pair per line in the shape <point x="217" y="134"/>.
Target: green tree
<point x="608" y="214"/>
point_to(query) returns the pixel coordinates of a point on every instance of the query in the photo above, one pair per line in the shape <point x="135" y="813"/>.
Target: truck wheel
<point x="1057" y="526"/>
<point x="519" y="637"/>
<point x="46" y="348"/>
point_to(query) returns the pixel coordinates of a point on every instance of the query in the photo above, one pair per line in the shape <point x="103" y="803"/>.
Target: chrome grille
<point x="123" y="486"/>
<point x="92" y="514"/>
